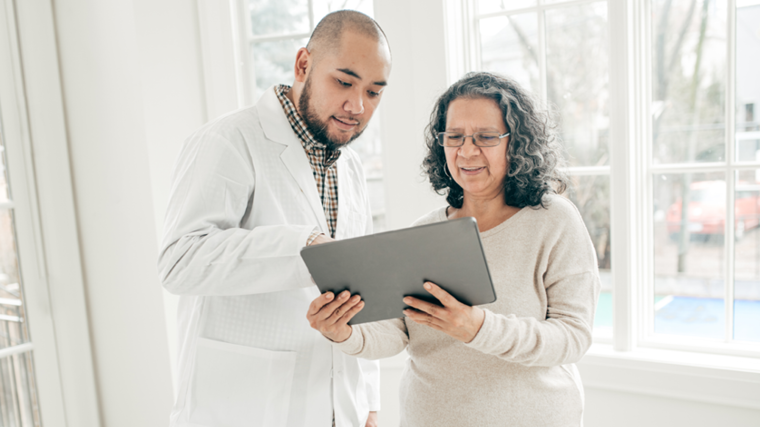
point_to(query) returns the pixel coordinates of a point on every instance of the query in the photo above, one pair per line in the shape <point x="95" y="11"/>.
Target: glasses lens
<point x="450" y="139"/>
<point x="487" y="139"/>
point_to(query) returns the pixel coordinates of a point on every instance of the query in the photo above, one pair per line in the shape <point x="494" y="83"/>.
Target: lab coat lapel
<point x="277" y="128"/>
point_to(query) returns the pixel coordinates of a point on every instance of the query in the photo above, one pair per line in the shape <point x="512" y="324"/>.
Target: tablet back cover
<point x="385" y="267"/>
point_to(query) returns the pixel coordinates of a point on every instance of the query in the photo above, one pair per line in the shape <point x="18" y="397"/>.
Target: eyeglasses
<point x="480" y="139"/>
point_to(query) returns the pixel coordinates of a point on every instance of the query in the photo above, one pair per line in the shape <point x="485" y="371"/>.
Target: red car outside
<point x="707" y="209"/>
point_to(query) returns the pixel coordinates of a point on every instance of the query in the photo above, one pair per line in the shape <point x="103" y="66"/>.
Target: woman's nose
<point x="469" y="149"/>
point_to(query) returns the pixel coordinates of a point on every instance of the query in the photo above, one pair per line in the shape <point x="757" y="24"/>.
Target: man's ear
<point x="303" y="62"/>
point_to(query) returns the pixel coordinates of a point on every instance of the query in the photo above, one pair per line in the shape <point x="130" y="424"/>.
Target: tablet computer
<point x="384" y="268"/>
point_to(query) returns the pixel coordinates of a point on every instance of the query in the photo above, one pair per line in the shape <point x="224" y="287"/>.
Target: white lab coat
<point x="242" y="205"/>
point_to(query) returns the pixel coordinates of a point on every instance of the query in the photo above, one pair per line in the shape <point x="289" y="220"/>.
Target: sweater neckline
<point x="492" y="231"/>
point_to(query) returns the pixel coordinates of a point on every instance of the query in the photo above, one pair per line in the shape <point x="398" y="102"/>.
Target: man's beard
<point x="315" y="125"/>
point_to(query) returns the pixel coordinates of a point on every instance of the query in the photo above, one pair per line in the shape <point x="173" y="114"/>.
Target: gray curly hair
<point x="534" y="153"/>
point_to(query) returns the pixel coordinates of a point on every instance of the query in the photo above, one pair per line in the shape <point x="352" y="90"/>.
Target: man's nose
<point x="354" y="104"/>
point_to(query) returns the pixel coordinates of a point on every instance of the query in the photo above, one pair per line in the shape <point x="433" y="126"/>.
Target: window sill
<point x="708" y="378"/>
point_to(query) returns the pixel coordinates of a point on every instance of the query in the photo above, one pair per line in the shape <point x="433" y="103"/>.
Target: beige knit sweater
<point x="519" y="369"/>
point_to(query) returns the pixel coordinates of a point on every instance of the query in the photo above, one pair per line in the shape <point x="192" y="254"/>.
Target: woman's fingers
<point x="422" y="306"/>
<point x="329" y="314"/>
<point x="348" y="315"/>
<point x="423" y="318"/>
<point x="342" y="309"/>
<point x="319" y="302"/>
<point x="444" y="297"/>
<point x="327" y="310"/>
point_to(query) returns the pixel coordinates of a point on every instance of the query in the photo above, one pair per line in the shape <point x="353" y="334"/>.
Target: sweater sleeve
<point x="564" y="337"/>
<point x="571" y="283"/>
<point x="376" y="340"/>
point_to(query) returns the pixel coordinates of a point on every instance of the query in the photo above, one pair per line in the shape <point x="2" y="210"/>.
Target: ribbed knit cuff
<point x="481" y="338"/>
<point x="353" y="345"/>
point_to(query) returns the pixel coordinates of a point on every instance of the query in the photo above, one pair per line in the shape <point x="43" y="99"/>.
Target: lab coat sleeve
<point x="204" y="250"/>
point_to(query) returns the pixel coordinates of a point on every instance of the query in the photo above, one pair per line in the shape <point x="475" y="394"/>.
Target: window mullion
<point x="311" y="16"/>
<point x="730" y="136"/>
<point x="619" y="181"/>
<point x="542" y="51"/>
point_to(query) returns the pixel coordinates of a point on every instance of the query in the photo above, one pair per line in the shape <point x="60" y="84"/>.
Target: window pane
<point x="273" y="63"/>
<point x="689" y="65"/>
<point x="272" y="17"/>
<point x="577" y="79"/>
<point x="18" y="398"/>
<point x="12" y="319"/>
<point x="747" y="83"/>
<point x="688" y="254"/>
<point x="489" y="6"/>
<point x="509" y="46"/>
<point x="370" y="150"/>
<point x="591" y="194"/>
<point x="747" y="257"/>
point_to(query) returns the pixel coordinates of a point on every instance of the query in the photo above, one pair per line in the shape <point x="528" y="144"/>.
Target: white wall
<point x="606" y="408"/>
<point x="415" y="33"/>
<point x="132" y="91"/>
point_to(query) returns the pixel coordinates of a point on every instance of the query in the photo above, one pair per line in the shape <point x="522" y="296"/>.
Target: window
<point x="19" y="404"/>
<point x="270" y="34"/>
<point x="18" y="396"/>
<point x="560" y="53"/>
<point x="677" y="79"/>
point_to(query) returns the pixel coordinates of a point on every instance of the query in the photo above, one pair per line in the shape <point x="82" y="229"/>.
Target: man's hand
<point x="372" y="420"/>
<point x="330" y="315"/>
<point x="458" y="320"/>
<point x="322" y="238"/>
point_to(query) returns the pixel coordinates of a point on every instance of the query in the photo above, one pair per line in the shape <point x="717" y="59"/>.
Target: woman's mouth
<point x="472" y="170"/>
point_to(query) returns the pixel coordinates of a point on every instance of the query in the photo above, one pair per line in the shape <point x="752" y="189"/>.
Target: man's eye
<point x="343" y="83"/>
<point x="373" y="94"/>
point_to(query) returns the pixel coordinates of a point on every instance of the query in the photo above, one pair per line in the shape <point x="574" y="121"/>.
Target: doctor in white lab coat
<point x="244" y="202"/>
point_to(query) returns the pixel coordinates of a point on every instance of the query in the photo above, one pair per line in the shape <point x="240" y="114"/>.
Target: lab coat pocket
<point x="235" y="385"/>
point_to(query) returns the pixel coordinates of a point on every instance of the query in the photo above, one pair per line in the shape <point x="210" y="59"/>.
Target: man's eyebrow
<point x="352" y="73"/>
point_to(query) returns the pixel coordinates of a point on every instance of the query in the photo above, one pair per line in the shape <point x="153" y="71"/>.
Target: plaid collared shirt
<point x="322" y="160"/>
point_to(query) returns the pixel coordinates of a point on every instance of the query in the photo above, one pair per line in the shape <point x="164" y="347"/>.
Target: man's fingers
<point x="320" y="302"/>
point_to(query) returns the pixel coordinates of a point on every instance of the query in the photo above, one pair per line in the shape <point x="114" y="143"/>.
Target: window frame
<point x="44" y="216"/>
<point x="630" y="169"/>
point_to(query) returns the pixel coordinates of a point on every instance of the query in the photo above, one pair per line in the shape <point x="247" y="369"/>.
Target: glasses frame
<point x="464" y="138"/>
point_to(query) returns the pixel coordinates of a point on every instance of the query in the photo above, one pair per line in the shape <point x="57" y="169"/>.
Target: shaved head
<point x="328" y="34"/>
<point x="340" y="77"/>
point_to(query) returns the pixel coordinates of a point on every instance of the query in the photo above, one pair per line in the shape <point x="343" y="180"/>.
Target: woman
<point x="509" y="363"/>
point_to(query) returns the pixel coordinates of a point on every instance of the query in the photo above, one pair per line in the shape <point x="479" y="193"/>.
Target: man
<point x="251" y="189"/>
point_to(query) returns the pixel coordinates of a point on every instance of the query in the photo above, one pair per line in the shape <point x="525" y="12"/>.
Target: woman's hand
<point x="454" y="318"/>
<point x="330" y="315"/>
